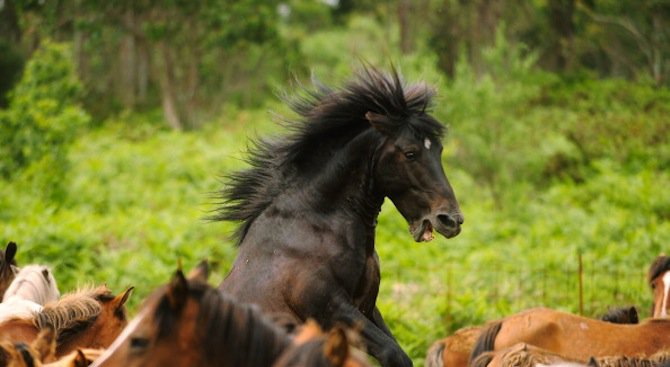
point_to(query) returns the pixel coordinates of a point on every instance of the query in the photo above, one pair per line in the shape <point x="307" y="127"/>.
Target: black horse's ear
<point x="177" y="291"/>
<point x="10" y="252"/>
<point x="200" y="272"/>
<point x="381" y="123"/>
<point x="336" y="347"/>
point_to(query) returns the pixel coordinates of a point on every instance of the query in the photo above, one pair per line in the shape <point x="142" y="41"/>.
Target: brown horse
<point x="189" y="323"/>
<point x="8" y="267"/>
<point x="525" y="355"/>
<point x="80" y="358"/>
<point x="659" y="281"/>
<point x="455" y="350"/>
<point x="314" y="348"/>
<point x="309" y="203"/>
<point x="574" y="336"/>
<point x="89" y="318"/>
<point x="19" y="354"/>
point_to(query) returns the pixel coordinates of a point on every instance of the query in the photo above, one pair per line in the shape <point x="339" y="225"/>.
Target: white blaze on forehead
<point x="121" y="339"/>
<point x="666" y="287"/>
<point x="427" y="143"/>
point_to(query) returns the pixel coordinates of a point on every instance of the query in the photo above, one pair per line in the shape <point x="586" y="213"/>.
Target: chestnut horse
<point x="314" y="348"/>
<point x="189" y="323"/>
<point x="574" y="336"/>
<point x="89" y="318"/>
<point x="659" y="281"/>
<point x="8" y="267"/>
<point x="309" y="203"/>
<point x="455" y="350"/>
<point x="19" y="354"/>
<point x="525" y="355"/>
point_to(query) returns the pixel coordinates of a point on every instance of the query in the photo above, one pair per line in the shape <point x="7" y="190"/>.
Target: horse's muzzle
<point x="447" y="224"/>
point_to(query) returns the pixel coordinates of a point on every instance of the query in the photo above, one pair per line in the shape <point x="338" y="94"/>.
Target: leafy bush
<point x="42" y="119"/>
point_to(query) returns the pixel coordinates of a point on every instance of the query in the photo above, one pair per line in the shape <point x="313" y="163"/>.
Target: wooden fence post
<point x="580" y="274"/>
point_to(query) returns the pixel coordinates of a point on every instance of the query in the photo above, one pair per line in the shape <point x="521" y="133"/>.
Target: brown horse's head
<point x="90" y="318"/>
<point x="19" y="354"/>
<point x="314" y="348"/>
<point x="189" y="323"/>
<point x="659" y="281"/>
<point x="8" y="267"/>
<point x="409" y="169"/>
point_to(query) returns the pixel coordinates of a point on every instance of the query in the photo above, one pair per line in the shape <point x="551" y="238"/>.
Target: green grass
<point x="137" y="196"/>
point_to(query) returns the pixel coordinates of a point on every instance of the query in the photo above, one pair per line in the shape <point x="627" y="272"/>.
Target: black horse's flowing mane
<point x="236" y="333"/>
<point x="328" y="118"/>
<point x="660" y="265"/>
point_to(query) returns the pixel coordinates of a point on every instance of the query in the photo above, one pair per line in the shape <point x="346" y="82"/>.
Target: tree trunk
<point x="128" y="64"/>
<point x="80" y="56"/>
<point x="171" y="109"/>
<point x="143" y="62"/>
<point x="9" y="23"/>
<point x="404" y="21"/>
<point x="561" y="21"/>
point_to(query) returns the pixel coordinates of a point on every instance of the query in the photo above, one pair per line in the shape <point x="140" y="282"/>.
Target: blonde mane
<point x="74" y="311"/>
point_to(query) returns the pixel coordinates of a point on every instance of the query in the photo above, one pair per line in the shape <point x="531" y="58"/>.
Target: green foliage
<point x="497" y="137"/>
<point x="545" y="166"/>
<point x="42" y="119"/>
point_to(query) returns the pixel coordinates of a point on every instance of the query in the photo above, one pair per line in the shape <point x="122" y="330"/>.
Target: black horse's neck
<point x="345" y="182"/>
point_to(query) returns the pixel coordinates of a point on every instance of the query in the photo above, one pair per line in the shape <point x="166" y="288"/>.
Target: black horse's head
<point x="409" y="171"/>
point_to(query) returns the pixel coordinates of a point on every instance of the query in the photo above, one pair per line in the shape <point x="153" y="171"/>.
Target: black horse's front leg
<point x="379" y="341"/>
<point x="378" y="320"/>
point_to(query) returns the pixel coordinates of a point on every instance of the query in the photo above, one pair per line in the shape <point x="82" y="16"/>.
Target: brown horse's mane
<point x="486" y="341"/>
<point x="328" y="119"/>
<point x="236" y="334"/>
<point x="655" y="360"/>
<point x="660" y="265"/>
<point x="74" y="312"/>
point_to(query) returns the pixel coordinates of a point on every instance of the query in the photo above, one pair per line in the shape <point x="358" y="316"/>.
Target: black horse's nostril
<point x="451" y="220"/>
<point x="447" y="220"/>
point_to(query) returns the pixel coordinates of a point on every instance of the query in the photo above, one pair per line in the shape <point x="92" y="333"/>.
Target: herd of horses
<point x="303" y="288"/>
<point x="542" y="336"/>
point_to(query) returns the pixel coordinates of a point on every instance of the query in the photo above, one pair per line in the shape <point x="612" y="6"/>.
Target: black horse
<point x="308" y="205"/>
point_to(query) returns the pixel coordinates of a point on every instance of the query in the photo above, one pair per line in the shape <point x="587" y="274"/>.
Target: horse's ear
<point x="308" y="331"/>
<point x="632" y="312"/>
<point x="80" y="360"/>
<point x="177" y="290"/>
<point x="10" y="252"/>
<point x="200" y="272"/>
<point x="336" y="347"/>
<point x="122" y="298"/>
<point x="5" y="356"/>
<point x="45" y="344"/>
<point x="381" y="123"/>
<point x="592" y="362"/>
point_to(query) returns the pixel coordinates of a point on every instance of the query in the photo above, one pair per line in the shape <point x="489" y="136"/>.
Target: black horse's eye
<point x="138" y="343"/>
<point x="411" y="155"/>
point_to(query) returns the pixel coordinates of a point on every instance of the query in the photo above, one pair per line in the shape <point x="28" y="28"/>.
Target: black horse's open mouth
<point x="447" y="225"/>
<point x="422" y="231"/>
